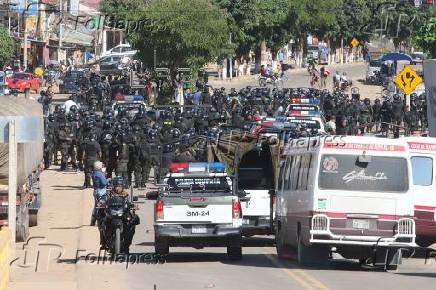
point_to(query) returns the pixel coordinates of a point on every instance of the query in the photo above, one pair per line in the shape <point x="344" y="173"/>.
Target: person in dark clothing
<point x="91" y="154"/>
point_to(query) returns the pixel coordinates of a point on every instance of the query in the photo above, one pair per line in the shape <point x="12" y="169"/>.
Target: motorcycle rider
<point x="376" y="114"/>
<point x="132" y="219"/>
<point x="91" y="154"/>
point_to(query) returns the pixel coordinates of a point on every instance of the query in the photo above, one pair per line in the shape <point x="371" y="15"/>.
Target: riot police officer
<point x="91" y="154"/>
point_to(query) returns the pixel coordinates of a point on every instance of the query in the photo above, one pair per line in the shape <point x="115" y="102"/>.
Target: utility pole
<point x="12" y="182"/>
<point x="230" y="59"/>
<point x="61" y="15"/>
<point x="25" y="36"/>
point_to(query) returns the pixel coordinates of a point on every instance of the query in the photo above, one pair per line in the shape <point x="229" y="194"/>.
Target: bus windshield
<point x="377" y="173"/>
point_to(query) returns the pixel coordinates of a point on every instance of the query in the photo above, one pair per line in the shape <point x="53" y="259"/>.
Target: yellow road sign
<point x="354" y="42"/>
<point x="38" y="71"/>
<point x="407" y="80"/>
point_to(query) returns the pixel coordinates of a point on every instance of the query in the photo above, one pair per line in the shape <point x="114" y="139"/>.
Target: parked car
<point x="21" y="81"/>
<point x="373" y="72"/>
<point x="113" y="64"/>
<point x="72" y="81"/>
<point x="122" y="49"/>
<point x="418" y="57"/>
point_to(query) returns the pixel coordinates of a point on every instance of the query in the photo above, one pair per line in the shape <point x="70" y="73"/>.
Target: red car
<point x="23" y="81"/>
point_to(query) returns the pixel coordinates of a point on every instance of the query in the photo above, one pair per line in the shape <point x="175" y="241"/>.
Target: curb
<point x="5" y="253"/>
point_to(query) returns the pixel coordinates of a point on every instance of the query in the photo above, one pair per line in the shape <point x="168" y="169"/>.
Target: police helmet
<point x="152" y="134"/>
<point x="175" y="133"/>
<point x="168" y="148"/>
<point x="117" y="181"/>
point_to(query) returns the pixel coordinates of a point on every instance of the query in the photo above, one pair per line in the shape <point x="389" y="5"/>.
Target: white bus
<point x="422" y="152"/>
<point x="348" y="194"/>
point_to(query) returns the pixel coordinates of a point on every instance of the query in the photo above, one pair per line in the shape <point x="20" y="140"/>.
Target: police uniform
<point x="92" y="152"/>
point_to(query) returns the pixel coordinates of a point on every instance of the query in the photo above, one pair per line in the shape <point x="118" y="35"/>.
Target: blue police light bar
<point x="131" y="98"/>
<point x="281" y="119"/>
<point x="216" y="167"/>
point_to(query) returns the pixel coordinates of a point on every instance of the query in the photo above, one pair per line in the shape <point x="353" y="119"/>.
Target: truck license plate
<point x="199" y="229"/>
<point x="361" y="224"/>
<point x="246" y="221"/>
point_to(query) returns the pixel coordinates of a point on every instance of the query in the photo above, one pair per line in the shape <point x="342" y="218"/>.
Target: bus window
<point x="380" y="174"/>
<point x="304" y="171"/>
<point x="295" y="172"/>
<point x="422" y="169"/>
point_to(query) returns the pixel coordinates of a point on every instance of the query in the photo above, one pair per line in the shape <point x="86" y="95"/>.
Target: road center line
<point x="294" y="271"/>
<point x="290" y="273"/>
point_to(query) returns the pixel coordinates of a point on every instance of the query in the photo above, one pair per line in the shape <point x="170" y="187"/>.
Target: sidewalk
<point x="60" y="220"/>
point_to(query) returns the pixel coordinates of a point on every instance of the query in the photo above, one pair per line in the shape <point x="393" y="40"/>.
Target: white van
<point x="346" y="193"/>
<point x="422" y="152"/>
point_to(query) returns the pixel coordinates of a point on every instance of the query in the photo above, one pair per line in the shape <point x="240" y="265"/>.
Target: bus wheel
<point x="311" y="255"/>
<point x="283" y="250"/>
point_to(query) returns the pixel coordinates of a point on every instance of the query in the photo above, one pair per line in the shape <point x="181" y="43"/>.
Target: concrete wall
<point x="5" y="252"/>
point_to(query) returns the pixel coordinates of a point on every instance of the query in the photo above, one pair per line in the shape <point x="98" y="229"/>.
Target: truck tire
<point x="234" y="253"/>
<point x="161" y="246"/>
<point x="234" y="249"/>
<point x="33" y="219"/>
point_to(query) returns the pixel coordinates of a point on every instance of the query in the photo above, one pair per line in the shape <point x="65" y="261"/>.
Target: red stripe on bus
<point x="424" y="207"/>
<point x="360" y="146"/>
<point x="422" y="146"/>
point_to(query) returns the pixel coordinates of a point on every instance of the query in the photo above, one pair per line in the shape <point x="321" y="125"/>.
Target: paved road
<point x="64" y="221"/>
<point x="300" y="78"/>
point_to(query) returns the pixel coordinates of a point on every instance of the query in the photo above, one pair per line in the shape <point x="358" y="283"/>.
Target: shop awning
<point x="76" y="37"/>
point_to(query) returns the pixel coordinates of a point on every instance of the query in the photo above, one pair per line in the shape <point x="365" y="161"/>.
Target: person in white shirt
<point x="68" y="104"/>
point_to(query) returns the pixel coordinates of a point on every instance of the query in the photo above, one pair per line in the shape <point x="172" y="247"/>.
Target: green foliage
<point x="183" y="32"/>
<point x="351" y="18"/>
<point x="253" y="21"/>
<point x="7" y="49"/>
<point x="316" y="17"/>
<point x="426" y="37"/>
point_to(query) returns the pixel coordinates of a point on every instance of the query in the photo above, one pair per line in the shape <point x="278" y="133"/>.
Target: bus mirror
<point x="241" y="193"/>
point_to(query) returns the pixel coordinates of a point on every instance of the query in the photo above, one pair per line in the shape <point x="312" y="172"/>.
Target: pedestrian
<point x="99" y="183"/>
<point x="323" y="77"/>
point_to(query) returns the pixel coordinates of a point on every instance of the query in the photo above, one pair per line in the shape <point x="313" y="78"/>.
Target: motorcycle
<point x="269" y="80"/>
<point x="114" y="222"/>
<point x="342" y="83"/>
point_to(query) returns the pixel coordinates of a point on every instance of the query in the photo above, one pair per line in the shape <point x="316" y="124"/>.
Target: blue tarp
<point x="394" y="56"/>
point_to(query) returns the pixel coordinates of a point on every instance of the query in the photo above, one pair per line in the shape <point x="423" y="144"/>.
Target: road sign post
<point x="430" y="87"/>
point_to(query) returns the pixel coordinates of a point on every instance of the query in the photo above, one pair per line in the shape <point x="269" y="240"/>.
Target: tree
<point x="316" y="17"/>
<point x="257" y="23"/>
<point x="7" y="49"/>
<point x="426" y="37"/>
<point x="183" y="32"/>
<point x="351" y="18"/>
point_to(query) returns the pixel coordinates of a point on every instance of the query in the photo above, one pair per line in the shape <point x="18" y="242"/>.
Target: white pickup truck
<point x="197" y="207"/>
